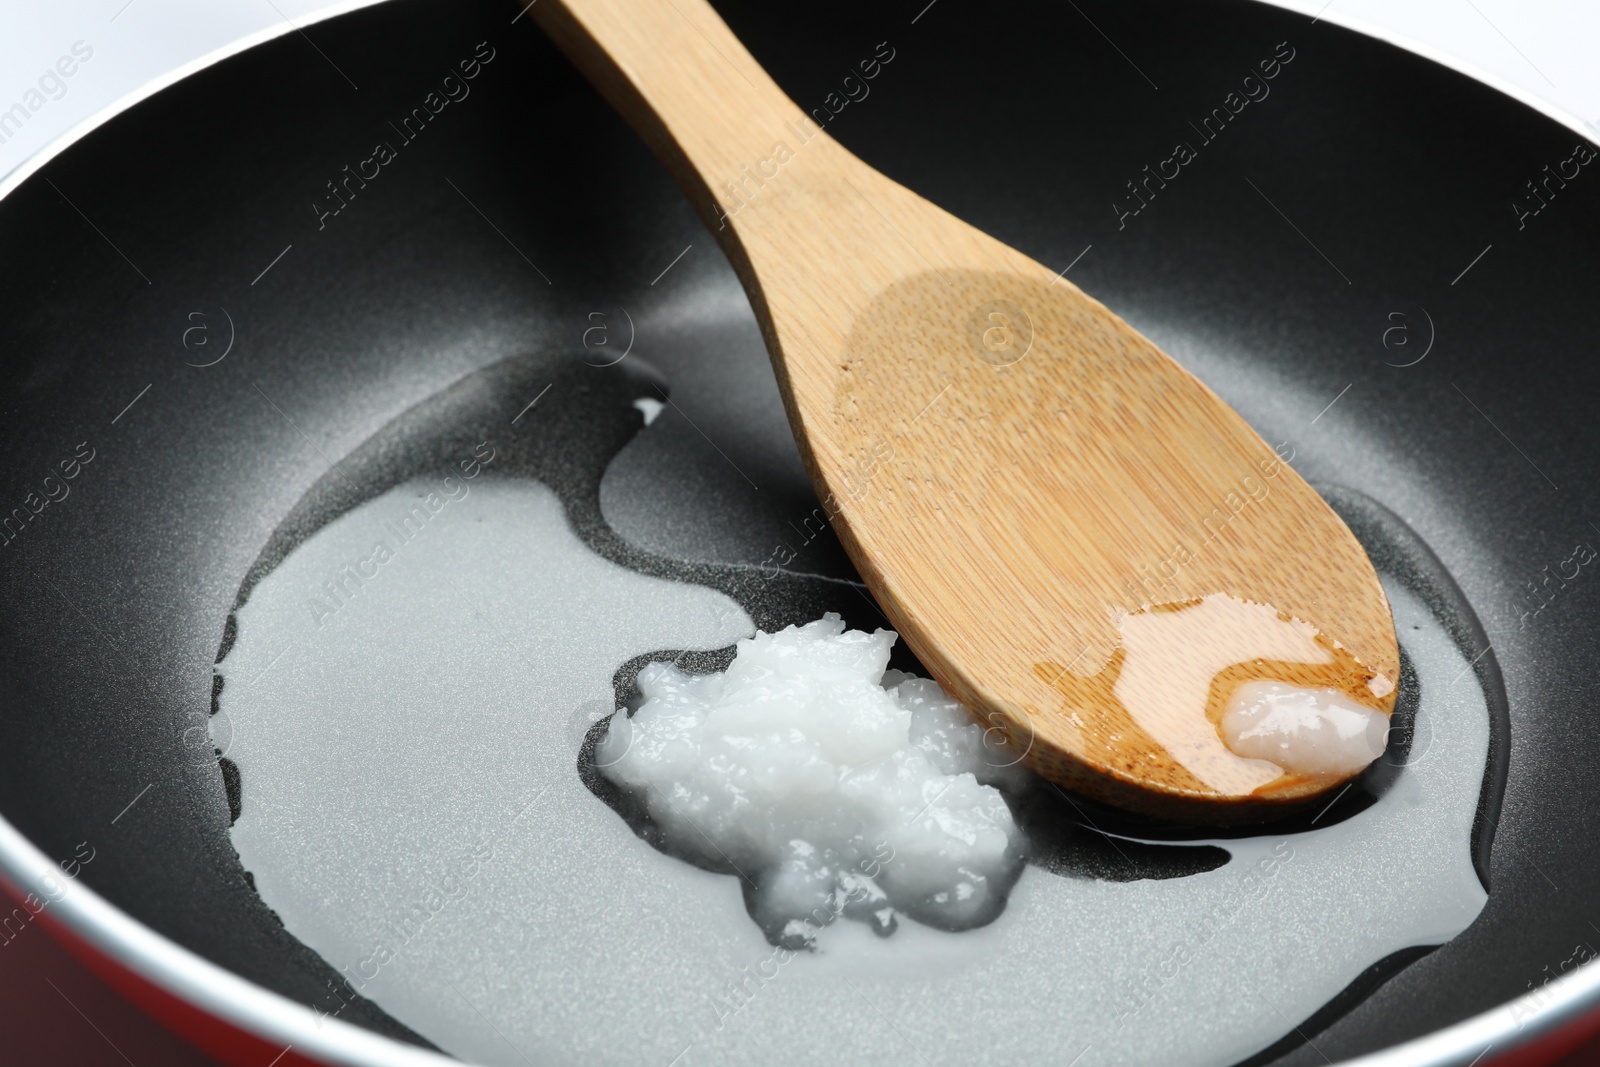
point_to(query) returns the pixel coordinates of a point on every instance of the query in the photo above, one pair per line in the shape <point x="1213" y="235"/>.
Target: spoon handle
<point x="686" y="84"/>
<point x="812" y="231"/>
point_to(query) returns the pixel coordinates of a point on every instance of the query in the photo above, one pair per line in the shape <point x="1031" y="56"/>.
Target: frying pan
<point x="1363" y="241"/>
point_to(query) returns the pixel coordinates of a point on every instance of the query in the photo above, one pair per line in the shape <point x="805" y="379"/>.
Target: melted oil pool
<point x="412" y="812"/>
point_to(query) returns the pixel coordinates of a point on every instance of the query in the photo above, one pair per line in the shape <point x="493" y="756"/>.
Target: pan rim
<point x="10" y="180"/>
<point x="155" y="959"/>
<point x="1561" y="1008"/>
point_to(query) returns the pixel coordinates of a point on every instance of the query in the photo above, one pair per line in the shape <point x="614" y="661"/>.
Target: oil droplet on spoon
<point x="1246" y="700"/>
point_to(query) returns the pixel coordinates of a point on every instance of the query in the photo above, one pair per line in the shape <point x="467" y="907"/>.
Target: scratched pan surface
<point x="135" y="271"/>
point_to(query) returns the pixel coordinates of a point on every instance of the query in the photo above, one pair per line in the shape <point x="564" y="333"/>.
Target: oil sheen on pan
<point x="415" y="698"/>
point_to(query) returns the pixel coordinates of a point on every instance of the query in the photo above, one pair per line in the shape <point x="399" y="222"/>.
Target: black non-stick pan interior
<point x="1371" y="192"/>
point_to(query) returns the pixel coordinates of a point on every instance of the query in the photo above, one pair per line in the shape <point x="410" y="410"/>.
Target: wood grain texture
<point x="1013" y="469"/>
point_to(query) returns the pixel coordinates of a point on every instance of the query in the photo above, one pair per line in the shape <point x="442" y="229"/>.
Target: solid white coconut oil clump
<point x="835" y="788"/>
<point x="1303" y="731"/>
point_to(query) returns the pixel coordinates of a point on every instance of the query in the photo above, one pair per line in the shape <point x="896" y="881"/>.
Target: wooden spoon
<point x="1082" y="542"/>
